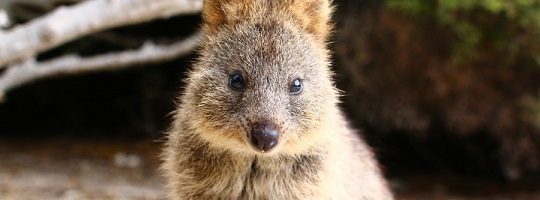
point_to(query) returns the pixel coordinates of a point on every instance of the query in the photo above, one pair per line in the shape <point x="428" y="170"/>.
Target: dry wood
<point x="68" y="23"/>
<point x="30" y="70"/>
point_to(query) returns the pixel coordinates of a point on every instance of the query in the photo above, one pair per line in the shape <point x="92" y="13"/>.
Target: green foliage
<point x="512" y="26"/>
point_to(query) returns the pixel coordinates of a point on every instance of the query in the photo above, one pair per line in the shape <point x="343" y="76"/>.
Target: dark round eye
<point x="296" y="86"/>
<point x="236" y="81"/>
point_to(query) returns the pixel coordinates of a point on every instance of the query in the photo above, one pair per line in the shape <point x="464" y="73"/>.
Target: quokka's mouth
<point x="264" y="148"/>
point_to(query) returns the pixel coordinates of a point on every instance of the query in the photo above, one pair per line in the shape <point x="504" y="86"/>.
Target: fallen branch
<point x="69" y="23"/>
<point x="30" y="70"/>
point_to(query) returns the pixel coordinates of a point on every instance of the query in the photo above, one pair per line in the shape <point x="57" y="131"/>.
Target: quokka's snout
<point x="264" y="136"/>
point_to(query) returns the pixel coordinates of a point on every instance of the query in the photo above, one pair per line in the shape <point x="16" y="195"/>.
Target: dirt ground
<point x="67" y="169"/>
<point x="79" y="169"/>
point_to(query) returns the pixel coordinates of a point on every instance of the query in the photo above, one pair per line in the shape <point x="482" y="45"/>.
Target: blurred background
<point x="446" y="91"/>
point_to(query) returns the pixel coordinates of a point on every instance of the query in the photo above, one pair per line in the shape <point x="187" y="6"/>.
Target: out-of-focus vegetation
<point x="458" y="80"/>
<point x="485" y="30"/>
<point x="502" y="30"/>
<point x="509" y="26"/>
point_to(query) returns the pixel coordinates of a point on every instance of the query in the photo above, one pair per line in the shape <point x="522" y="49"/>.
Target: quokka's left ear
<point x="313" y="16"/>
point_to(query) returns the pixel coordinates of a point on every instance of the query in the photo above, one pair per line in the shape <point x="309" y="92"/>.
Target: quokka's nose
<point x="264" y="136"/>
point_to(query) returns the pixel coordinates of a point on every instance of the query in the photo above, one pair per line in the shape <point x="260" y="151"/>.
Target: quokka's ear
<point x="216" y="13"/>
<point x="213" y="13"/>
<point x="313" y="16"/>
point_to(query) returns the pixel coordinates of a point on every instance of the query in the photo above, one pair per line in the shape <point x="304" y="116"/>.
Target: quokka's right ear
<point x="216" y="13"/>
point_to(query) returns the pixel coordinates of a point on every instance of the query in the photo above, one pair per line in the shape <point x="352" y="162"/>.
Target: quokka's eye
<point x="296" y="87"/>
<point x="236" y="81"/>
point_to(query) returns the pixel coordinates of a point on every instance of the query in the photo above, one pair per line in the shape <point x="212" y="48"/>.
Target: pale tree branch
<point x="30" y="70"/>
<point x="4" y="20"/>
<point x="68" y="23"/>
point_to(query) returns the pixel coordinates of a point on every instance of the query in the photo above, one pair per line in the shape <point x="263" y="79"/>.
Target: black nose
<point x="263" y="136"/>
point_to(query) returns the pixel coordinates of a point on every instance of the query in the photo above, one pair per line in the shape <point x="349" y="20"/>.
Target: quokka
<point x="259" y="117"/>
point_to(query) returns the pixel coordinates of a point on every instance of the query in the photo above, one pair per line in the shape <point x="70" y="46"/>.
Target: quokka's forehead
<point x="263" y="44"/>
<point x="270" y="36"/>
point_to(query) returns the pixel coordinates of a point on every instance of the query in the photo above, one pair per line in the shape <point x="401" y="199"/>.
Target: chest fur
<point x="225" y="176"/>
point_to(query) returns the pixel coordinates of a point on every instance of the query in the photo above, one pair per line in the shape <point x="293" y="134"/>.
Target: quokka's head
<point x="262" y="83"/>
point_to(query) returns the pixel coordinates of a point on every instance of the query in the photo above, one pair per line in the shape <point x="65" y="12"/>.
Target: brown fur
<point x="271" y="42"/>
<point x="313" y="16"/>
